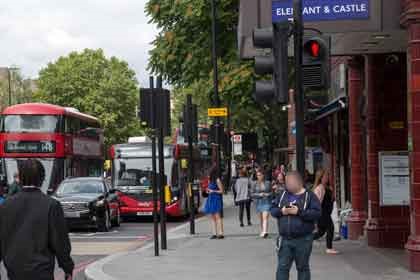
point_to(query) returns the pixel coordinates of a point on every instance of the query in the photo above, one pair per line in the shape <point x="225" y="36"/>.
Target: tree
<point x="182" y="55"/>
<point x="103" y="87"/>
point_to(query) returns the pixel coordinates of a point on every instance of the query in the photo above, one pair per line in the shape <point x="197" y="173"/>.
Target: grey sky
<point x="35" y="32"/>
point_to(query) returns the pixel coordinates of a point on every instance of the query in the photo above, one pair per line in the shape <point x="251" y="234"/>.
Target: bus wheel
<point x="105" y="223"/>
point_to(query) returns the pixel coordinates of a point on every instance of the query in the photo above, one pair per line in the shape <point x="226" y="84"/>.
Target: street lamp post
<point x="9" y="78"/>
<point x="215" y="100"/>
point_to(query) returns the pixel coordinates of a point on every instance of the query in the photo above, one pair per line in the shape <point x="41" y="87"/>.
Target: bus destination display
<point x="30" y="147"/>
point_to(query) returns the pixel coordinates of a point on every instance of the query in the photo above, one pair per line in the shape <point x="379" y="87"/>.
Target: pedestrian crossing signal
<point x="316" y="62"/>
<point x="313" y="48"/>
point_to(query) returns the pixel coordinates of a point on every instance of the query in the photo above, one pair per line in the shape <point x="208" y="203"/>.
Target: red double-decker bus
<point x="66" y="142"/>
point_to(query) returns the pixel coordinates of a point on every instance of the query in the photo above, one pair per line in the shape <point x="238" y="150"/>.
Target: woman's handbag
<point x="204" y="194"/>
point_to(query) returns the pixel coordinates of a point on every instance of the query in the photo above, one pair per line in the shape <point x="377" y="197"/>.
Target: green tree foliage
<point x="182" y="55"/>
<point x="103" y="87"/>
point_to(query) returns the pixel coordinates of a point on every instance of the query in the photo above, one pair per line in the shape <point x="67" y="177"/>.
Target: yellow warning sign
<point x="217" y="112"/>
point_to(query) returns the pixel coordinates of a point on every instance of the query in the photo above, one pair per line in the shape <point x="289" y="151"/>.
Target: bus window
<point x="72" y="125"/>
<point x="31" y="123"/>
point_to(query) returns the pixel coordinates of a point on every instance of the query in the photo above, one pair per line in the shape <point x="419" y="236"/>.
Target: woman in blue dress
<point x="262" y="195"/>
<point x="213" y="206"/>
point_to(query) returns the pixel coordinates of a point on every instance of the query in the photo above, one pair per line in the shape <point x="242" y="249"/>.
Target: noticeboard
<point x="394" y="178"/>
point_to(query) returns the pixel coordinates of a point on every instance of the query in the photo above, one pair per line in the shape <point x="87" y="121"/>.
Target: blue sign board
<point x="322" y="10"/>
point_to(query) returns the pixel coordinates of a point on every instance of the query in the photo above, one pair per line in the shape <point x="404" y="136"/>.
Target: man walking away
<point x="16" y="186"/>
<point x="33" y="230"/>
<point x="296" y="210"/>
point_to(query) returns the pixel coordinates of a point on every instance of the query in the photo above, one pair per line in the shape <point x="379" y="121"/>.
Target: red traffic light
<point x="313" y="48"/>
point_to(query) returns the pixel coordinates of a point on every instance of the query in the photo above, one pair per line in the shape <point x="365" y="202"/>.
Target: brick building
<point x="374" y="110"/>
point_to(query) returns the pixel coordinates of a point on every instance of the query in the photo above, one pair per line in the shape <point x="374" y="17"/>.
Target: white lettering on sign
<point x="311" y="10"/>
<point x="284" y="11"/>
<point x="352" y="8"/>
<point x="326" y="9"/>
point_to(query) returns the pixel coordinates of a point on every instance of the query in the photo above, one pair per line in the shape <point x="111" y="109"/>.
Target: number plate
<point x="144" y="213"/>
<point x="72" y="214"/>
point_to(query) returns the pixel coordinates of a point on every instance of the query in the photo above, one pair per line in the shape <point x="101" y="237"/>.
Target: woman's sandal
<point x="332" y="252"/>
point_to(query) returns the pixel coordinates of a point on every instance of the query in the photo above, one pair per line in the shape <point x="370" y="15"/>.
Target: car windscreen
<point x="80" y="187"/>
<point x="137" y="171"/>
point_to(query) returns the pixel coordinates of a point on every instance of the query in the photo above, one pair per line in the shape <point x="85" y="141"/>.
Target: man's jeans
<point x="298" y="250"/>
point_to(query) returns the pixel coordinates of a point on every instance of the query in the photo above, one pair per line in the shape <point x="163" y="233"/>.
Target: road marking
<point x="141" y="237"/>
<point x="103" y="248"/>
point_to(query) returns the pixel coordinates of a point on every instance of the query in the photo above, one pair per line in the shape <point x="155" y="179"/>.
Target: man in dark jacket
<point x="33" y="230"/>
<point x="296" y="210"/>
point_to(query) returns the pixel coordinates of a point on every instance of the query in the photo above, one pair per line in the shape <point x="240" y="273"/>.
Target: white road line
<point x="111" y="237"/>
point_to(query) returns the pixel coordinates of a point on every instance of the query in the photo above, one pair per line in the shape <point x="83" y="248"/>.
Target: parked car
<point x="89" y="202"/>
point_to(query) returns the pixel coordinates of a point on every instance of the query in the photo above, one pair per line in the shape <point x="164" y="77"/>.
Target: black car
<point x="89" y="202"/>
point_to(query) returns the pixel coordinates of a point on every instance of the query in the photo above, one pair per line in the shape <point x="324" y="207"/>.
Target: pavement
<point x="243" y="255"/>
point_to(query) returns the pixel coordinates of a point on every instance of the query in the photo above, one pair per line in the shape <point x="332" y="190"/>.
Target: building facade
<point x="374" y="123"/>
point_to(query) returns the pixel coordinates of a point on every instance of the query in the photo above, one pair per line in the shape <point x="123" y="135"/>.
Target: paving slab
<point x="243" y="255"/>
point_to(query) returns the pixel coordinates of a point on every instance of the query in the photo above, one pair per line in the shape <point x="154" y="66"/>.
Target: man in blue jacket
<point x="296" y="211"/>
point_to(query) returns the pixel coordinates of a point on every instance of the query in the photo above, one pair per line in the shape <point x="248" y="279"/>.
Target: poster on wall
<point x="394" y="178"/>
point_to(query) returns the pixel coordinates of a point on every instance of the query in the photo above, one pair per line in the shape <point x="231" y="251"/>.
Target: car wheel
<point x="105" y="223"/>
<point x="117" y="220"/>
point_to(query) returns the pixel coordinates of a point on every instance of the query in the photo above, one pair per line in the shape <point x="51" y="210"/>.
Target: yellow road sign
<point x="217" y="112"/>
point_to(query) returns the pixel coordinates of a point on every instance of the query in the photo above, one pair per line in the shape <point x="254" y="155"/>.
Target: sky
<point x="35" y="32"/>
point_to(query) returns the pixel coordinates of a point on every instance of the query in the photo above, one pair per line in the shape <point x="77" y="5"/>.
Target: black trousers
<point x="246" y="204"/>
<point x="326" y="225"/>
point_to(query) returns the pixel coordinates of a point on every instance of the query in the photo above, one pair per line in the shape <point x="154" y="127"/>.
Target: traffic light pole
<point x="154" y="177"/>
<point x="162" y="203"/>
<point x="190" y="163"/>
<point x="299" y="91"/>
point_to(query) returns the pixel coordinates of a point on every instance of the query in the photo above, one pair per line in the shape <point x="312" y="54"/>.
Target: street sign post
<point x="322" y="10"/>
<point x="217" y="112"/>
<point x="237" y="144"/>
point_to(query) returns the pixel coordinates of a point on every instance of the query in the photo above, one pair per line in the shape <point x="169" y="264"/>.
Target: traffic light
<point x="190" y="123"/>
<point x="316" y="62"/>
<point x="276" y="63"/>
<point x="159" y="105"/>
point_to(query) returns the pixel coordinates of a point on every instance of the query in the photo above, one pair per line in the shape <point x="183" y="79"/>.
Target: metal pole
<point x="190" y="163"/>
<point x="216" y="87"/>
<point x="299" y="92"/>
<point x="215" y="100"/>
<point x="163" y="240"/>
<point x="9" y="77"/>
<point x="229" y="150"/>
<point x="154" y="177"/>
